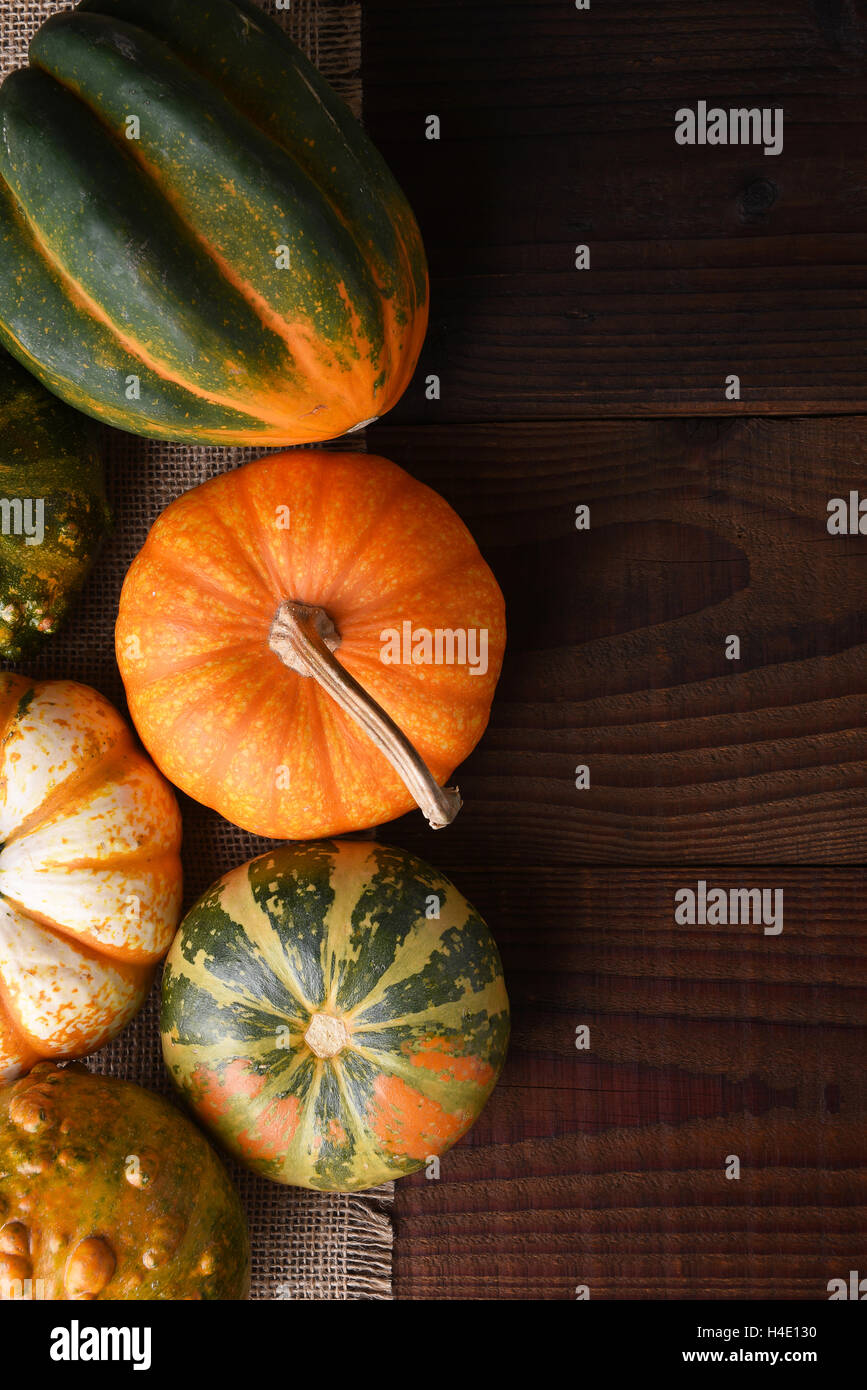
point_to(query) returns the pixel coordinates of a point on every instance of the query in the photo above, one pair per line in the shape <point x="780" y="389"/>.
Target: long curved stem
<point x="305" y="638"/>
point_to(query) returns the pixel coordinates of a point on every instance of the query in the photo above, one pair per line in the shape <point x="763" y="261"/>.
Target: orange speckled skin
<point x="223" y="717"/>
<point x="90" y="874"/>
<point x="109" y="1193"/>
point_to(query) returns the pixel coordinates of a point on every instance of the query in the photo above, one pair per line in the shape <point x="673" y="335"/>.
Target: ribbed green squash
<point x="238" y="267"/>
<point x="53" y="512"/>
<point x="335" y="1012"/>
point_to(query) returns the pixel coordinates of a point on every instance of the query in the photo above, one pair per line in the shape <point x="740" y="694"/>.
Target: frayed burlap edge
<point x="305" y="1245"/>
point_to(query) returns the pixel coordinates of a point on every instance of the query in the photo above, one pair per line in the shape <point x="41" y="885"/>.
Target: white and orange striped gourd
<point x="90" y="876"/>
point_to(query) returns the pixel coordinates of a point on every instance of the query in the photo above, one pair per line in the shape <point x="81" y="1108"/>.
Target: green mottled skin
<point x="67" y="1139"/>
<point x="46" y="451"/>
<point x="242" y="147"/>
<point x="339" y="927"/>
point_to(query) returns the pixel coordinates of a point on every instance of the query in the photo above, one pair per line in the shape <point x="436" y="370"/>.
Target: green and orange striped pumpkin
<point x="197" y="239"/>
<point x="335" y="1012"/>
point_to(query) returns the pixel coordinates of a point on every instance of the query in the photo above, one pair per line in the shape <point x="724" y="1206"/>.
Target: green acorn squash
<point x="197" y="240"/>
<point x="53" y="512"/>
<point x="108" y="1192"/>
<point x="335" y="1012"/>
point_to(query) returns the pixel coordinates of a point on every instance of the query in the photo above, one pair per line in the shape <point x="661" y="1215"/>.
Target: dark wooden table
<point x="605" y="1167"/>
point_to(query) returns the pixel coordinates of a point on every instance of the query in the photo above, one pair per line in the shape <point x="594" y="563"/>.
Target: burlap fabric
<point x="305" y="1245"/>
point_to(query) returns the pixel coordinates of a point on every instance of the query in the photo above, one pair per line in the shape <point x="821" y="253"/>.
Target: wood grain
<point x="607" y="1167"/>
<point x="617" y="638"/>
<point x="557" y="129"/>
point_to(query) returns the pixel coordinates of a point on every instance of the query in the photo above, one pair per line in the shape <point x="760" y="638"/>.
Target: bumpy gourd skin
<point x="49" y="453"/>
<point x="107" y="1192"/>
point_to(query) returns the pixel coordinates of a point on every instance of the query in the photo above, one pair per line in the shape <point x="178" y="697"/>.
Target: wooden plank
<point x="617" y="640"/>
<point x="557" y="128"/>
<point x="607" y="1167"/>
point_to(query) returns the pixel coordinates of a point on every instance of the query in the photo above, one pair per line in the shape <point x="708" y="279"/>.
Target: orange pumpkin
<point x="90" y="878"/>
<point x="310" y="644"/>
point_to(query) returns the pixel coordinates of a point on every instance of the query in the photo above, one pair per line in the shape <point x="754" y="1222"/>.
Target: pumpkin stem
<point x="304" y="638"/>
<point x="326" y="1035"/>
